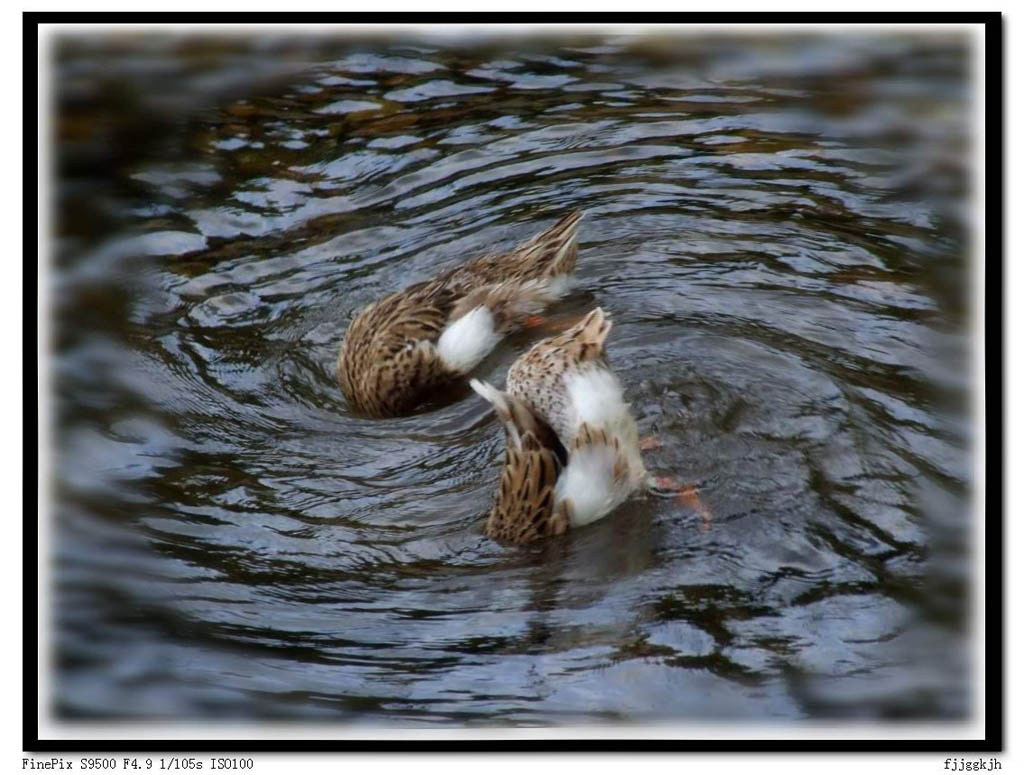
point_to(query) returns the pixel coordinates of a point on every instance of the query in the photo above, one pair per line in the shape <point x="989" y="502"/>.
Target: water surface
<point x="778" y="228"/>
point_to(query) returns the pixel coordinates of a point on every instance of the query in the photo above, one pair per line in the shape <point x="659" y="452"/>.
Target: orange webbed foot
<point x="551" y="325"/>
<point x="687" y="497"/>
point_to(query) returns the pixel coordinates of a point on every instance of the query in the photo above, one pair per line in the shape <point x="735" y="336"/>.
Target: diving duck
<point x="572" y="451"/>
<point x="401" y="348"/>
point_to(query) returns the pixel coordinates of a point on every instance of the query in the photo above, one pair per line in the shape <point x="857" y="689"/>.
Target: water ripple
<point x="231" y="537"/>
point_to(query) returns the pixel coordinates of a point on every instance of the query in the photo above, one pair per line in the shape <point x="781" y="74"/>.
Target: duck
<point x="401" y="349"/>
<point x="572" y="449"/>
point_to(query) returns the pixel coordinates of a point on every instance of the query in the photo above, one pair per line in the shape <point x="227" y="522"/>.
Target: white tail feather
<point x="468" y="340"/>
<point x="500" y="403"/>
<point x="489" y="393"/>
<point x="589" y="483"/>
<point x="596" y="395"/>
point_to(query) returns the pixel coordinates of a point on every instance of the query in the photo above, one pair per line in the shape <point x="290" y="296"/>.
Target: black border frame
<point x="994" y="306"/>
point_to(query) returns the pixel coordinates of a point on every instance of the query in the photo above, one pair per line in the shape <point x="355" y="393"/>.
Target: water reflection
<point x="777" y="226"/>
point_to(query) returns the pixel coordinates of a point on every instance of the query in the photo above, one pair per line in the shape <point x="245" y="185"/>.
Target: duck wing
<point x="524" y="508"/>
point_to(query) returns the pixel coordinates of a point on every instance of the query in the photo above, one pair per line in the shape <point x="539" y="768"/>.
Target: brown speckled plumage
<point x="389" y="362"/>
<point x="572" y="453"/>
<point x="524" y="508"/>
<point x="536" y="377"/>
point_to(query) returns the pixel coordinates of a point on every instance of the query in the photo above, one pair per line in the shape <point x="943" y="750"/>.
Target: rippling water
<point x="778" y="227"/>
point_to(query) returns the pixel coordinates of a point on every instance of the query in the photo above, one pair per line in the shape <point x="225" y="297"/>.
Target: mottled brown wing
<point x="550" y="253"/>
<point x="524" y="509"/>
<point x="387" y="359"/>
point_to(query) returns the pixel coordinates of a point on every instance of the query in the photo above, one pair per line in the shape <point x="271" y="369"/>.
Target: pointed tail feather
<point x="563" y="230"/>
<point x="498" y="402"/>
<point x="554" y="250"/>
<point x="589" y="334"/>
<point x="595" y="327"/>
<point x="494" y="397"/>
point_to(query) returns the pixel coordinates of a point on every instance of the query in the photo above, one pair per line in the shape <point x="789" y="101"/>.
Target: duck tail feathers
<point x="553" y="251"/>
<point x="589" y="334"/>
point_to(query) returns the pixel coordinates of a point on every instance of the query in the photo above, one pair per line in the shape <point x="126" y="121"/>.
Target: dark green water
<point x="779" y="228"/>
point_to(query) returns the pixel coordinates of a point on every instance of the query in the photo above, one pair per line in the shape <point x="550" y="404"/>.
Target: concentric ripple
<point x="778" y="228"/>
